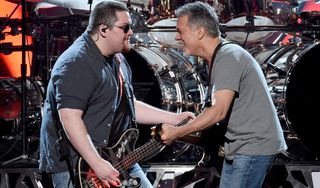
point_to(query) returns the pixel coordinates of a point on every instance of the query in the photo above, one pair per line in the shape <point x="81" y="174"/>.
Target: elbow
<point x="221" y="115"/>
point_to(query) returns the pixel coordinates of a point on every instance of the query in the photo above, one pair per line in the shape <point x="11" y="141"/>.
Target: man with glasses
<point x="90" y="88"/>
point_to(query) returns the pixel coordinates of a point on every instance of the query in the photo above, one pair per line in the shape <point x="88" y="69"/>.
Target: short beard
<point x="127" y="48"/>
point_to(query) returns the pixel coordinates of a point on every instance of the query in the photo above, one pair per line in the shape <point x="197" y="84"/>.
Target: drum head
<point x="302" y="99"/>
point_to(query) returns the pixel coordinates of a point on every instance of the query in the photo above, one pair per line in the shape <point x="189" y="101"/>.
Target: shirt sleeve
<point x="228" y="71"/>
<point x="74" y="83"/>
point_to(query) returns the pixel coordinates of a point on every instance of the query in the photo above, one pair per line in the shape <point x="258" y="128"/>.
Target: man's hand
<point x="168" y="133"/>
<point x="107" y="174"/>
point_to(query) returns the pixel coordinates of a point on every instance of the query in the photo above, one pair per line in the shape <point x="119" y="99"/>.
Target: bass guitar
<point x="122" y="156"/>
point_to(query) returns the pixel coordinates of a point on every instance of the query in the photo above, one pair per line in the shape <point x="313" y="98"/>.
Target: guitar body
<point x="114" y="155"/>
<point x="122" y="156"/>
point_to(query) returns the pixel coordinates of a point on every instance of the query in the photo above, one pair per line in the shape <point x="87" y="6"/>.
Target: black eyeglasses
<point x="125" y="28"/>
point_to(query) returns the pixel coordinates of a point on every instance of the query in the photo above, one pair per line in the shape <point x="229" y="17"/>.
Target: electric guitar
<point x="122" y="156"/>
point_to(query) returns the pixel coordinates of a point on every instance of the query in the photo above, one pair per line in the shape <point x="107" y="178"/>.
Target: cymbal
<point x="74" y="4"/>
<point x="165" y="38"/>
<point x="81" y="4"/>
<point x="255" y="36"/>
<point x="28" y="1"/>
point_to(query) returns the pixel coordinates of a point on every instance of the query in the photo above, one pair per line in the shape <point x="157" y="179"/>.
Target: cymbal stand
<point x="24" y="158"/>
<point x="90" y="4"/>
<point x="250" y="24"/>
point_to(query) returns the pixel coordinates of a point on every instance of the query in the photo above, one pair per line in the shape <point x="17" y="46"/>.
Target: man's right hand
<point x="107" y="173"/>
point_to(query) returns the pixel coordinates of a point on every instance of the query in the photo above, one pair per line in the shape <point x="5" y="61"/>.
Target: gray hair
<point x="201" y="14"/>
<point x="105" y="13"/>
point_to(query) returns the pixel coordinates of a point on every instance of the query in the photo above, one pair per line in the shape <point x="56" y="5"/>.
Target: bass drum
<point x="291" y="72"/>
<point x="164" y="78"/>
<point x="10" y="107"/>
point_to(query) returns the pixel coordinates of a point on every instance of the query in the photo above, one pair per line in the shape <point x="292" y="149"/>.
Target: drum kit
<point x="171" y="80"/>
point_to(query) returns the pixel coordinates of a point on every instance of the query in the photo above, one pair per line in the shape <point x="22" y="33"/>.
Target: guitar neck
<point x="139" y="154"/>
<point x="144" y="151"/>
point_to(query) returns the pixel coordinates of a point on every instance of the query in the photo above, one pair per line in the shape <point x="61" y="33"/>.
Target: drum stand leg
<point x="196" y="175"/>
<point x="4" y="181"/>
<point x="21" y="177"/>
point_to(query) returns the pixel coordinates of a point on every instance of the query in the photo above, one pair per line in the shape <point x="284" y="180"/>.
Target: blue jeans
<point x="245" y="171"/>
<point x="62" y="179"/>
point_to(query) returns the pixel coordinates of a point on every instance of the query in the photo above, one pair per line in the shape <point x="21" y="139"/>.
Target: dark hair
<point x="105" y="13"/>
<point x="201" y="14"/>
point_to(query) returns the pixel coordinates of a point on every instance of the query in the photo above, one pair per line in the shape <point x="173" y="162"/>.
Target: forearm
<point x="78" y="135"/>
<point x="147" y="114"/>
<point x="209" y="117"/>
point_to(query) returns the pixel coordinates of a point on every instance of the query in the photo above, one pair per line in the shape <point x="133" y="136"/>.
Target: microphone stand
<point x="24" y="158"/>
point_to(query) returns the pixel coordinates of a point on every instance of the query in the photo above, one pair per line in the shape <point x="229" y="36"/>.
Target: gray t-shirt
<point x="253" y="126"/>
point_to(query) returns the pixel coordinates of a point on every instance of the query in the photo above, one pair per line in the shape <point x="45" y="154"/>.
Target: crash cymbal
<point x="163" y="37"/>
<point x="253" y="36"/>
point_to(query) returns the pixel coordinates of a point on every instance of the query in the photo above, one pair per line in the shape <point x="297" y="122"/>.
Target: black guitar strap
<point x="127" y="89"/>
<point x="62" y="143"/>
<point x="207" y="101"/>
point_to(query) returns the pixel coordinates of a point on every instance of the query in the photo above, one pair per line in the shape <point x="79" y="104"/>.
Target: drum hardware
<point x="7" y="48"/>
<point x="183" y="104"/>
<point x="290" y="89"/>
<point x="162" y="28"/>
<point x="24" y="156"/>
<point x="12" y="23"/>
<point x="166" y="69"/>
<point x="53" y="35"/>
<point x="239" y="27"/>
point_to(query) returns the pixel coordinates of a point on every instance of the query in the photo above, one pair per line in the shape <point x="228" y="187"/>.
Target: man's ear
<point x="102" y="30"/>
<point x="200" y="31"/>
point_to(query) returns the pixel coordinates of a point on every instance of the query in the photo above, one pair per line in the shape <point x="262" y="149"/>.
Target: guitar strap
<point x="207" y="102"/>
<point x="127" y="89"/>
<point x="62" y="143"/>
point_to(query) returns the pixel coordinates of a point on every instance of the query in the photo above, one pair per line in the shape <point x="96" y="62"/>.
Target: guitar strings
<point x="183" y="122"/>
<point x="148" y="149"/>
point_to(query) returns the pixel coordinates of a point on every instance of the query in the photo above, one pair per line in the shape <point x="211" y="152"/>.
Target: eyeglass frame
<point x="126" y="28"/>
